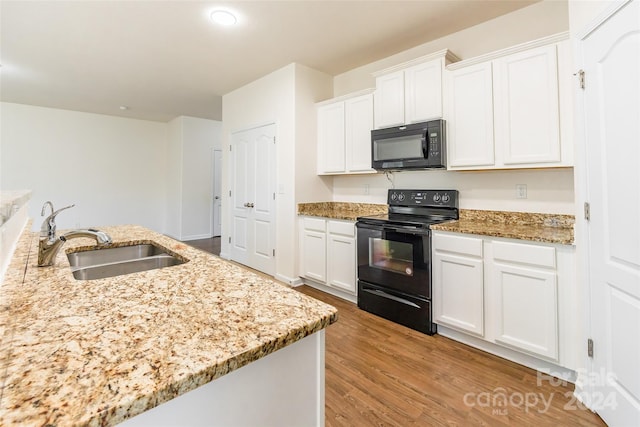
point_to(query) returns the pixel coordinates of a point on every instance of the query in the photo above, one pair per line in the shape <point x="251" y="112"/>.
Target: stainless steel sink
<point x="110" y="262"/>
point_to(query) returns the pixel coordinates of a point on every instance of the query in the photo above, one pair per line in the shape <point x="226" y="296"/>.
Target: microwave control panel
<point x="435" y="142"/>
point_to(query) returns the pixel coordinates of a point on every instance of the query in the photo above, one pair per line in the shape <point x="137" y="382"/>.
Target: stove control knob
<point x="445" y="198"/>
<point x="436" y="197"/>
<point x="394" y="196"/>
<point x="401" y="197"/>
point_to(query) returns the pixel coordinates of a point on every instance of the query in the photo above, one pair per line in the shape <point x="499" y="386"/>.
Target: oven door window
<point x="393" y="259"/>
<point x="391" y="255"/>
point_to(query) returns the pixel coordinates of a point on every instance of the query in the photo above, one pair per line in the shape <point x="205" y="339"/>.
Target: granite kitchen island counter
<point x="98" y="352"/>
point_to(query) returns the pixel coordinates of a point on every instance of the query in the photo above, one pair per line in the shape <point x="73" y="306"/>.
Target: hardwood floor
<point x="379" y="373"/>
<point x="211" y="245"/>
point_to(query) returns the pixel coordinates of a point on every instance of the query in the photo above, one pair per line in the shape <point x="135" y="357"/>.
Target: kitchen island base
<point x="285" y="388"/>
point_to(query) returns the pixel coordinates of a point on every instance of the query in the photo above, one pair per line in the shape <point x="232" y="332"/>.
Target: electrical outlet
<point x="521" y="191"/>
<point x="366" y="189"/>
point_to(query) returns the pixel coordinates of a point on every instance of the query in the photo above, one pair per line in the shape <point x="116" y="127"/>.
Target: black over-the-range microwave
<point x="414" y="146"/>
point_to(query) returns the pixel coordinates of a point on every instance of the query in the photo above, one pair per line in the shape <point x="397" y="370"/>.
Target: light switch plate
<point x="521" y="191"/>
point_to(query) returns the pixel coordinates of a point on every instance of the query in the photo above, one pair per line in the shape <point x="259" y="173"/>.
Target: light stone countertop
<point x="537" y="227"/>
<point x="341" y="210"/>
<point x="101" y="351"/>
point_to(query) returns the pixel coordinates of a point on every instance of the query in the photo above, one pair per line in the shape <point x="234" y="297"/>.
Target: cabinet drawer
<point x="315" y="224"/>
<point x="457" y="244"/>
<point x="543" y="256"/>
<point x="344" y="228"/>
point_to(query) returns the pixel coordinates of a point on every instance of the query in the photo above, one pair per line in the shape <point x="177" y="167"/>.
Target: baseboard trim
<point x="328" y="289"/>
<point x="291" y="281"/>
<point x="534" y="363"/>
<point x="196" y="237"/>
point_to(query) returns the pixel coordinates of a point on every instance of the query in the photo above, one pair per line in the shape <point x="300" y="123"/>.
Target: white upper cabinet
<point x="423" y="91"/>
<point x="527" y="114"/>
<point x="511" y="109"/>
<point x="389" y="100"/>
<point x="471" y="120"/>
<point x="344" y="135"/>
<point x="358" y="126"/>
<point x="331" y="137"/>
<point x="411" y="92"/>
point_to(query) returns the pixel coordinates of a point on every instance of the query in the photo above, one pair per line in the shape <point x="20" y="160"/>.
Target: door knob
<point x="216" y="197"/>
<point x="246" y="205"/>
<point x="251" y="205"/>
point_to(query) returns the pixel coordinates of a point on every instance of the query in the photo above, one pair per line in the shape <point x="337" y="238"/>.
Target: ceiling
<point x="164" y="59"/>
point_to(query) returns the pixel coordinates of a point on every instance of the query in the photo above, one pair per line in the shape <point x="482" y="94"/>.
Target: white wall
<point x="112" y="168"/>
<point x="311" y="86"/>
<point x="549" y="191"/>
<point x="190" y="177"/>
<point x="173" y="223"/>
<point x="200" y="136"/>
<point x="273" y="99"/>
<point x="532" y="22"/>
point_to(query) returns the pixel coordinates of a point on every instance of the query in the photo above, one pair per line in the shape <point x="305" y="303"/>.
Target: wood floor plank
<point x="379" y="373"/>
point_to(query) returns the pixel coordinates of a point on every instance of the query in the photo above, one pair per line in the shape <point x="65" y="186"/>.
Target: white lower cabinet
<point x="314" y="256"/>
<point x="328" y="253"/>
<point x="341" y="255"/>
<point x="458" y="283"/>
<point x="511" y="293"/>
<point x="524" y="282"/>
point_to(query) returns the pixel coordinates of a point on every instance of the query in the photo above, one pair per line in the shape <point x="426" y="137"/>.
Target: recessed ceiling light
<point x="223" y="17"/>
<point x="124" y="107"/>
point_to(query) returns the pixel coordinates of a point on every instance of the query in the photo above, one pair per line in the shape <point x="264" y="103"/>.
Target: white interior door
<point x="217" y="192"/>
<point x="253" y="198"/>
<point x="611" y="61"/>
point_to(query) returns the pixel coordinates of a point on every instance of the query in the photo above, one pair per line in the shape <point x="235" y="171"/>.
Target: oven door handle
<point x="383" y="294"/>
<point x="420" y="231"/>
<point x="388" y="229"/>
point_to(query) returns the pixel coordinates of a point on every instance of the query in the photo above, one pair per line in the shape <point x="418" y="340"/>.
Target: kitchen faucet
<point x="49" y="244"/>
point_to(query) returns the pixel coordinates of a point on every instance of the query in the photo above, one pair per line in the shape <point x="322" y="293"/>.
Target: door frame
<point x="216" y="178"/>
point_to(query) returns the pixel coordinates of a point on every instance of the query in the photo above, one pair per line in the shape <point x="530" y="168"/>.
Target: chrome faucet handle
<point x="48" y="229"/>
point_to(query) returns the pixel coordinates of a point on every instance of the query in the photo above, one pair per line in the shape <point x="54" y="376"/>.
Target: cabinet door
<point x="470" y="134"/>
<point x="331" y="138"/>
<point x="526" y="96"/>
<point x="389" y="100"/>
<point x="358" y="125"/>
<point x="458" y="292"/>
<point x="314" y="262"/>
<point x="341" y="262"/>
<point x="423" y="92"/>
<point x="527" y="314"/>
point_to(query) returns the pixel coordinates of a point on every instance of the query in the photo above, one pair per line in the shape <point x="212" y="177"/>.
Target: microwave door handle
<point x="425" y="152"/>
